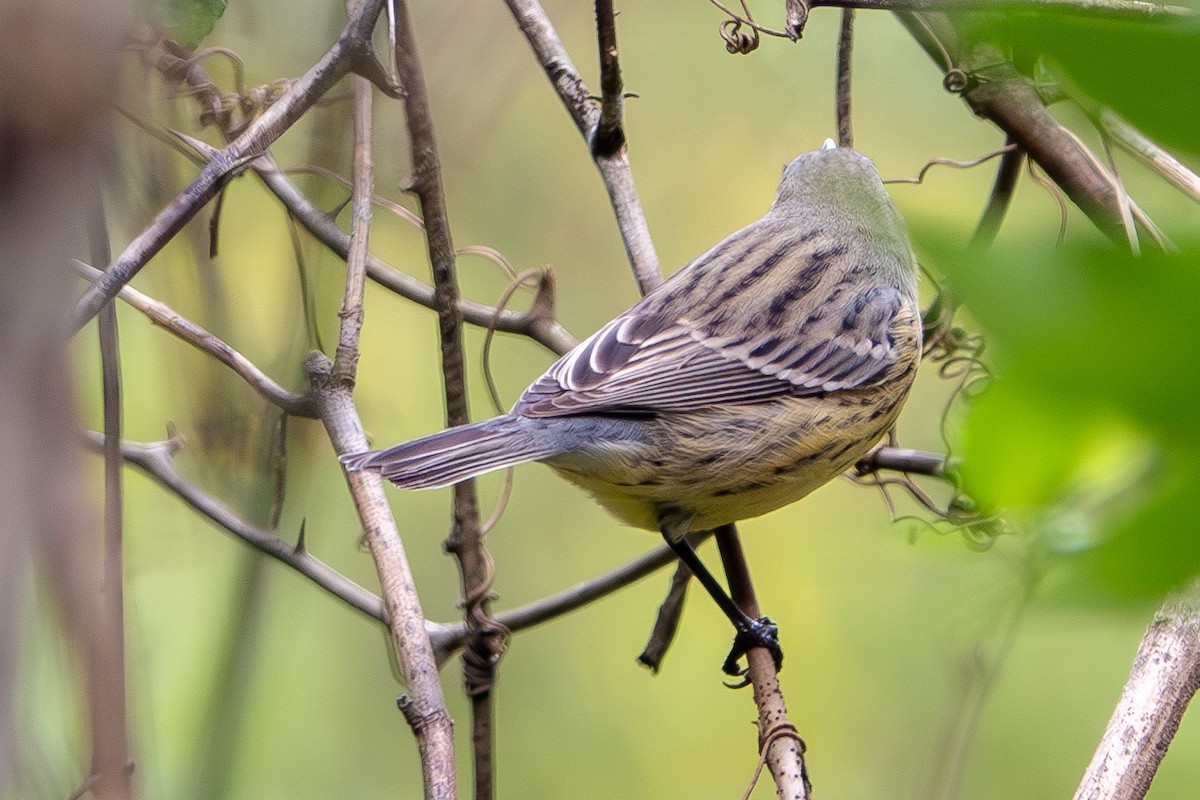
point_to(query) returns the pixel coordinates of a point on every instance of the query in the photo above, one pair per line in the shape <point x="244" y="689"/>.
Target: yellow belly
<point x="733" y="462"/>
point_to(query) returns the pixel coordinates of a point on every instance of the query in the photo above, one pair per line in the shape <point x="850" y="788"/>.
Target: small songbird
<point x="755" y="374"/>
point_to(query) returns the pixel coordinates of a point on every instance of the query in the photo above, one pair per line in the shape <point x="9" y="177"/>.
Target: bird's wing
<point x="642" y="362"/>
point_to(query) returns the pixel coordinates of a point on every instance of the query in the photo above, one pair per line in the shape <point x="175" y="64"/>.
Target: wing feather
<point x="643" y="362"/>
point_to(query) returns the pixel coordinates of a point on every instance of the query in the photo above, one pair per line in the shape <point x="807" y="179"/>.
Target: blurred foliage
<point x="1089" y="426"/>
<point x="188" y="21"/>
<point x="1148" y="72"/>
<point x="915" y="661"/>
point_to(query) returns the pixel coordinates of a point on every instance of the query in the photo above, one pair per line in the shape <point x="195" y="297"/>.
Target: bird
<point x="761" y="370"/>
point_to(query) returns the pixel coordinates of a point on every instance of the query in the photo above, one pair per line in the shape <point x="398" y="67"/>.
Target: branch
<point x="252" y="143"/>
<point x="902" y="459"/>
<point x="155" y="460"/>
<point x="487" y="640"/>
<point x="450" y="638"/>
<point x="294" y="403"/>
<point x="537" y="323"/>
<point x="609" y="136"/>
<point x="845" y="47"/>
<point x="614" y="168"/>
<point x="1010" y="101"/>
<point x="1165" y="676"/>
<point x="1122" y="9"/>
<point x="1138" y="144"/>
<point x="779" y="743"/>
<point x="425" y="707"/>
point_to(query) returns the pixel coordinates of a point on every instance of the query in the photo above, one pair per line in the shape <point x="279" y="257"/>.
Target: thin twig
<point x="902" y="459"/>
<point x="1165" y="677"/>
<point x="294" y="403"/>
<point x="345" y="361"/>
<point x="609" y="135"/>
<point x="614" y="169"/>
<point x="486" y="644"/>
<point x="1124" y="9"/>
<point x="666" y="621"/>
<point x="448" y="639"/>
<point x="845" y="48"/>
<point x="155" y="460"/>
<point x="544" y="330"/>
<point x="252" y="143"/>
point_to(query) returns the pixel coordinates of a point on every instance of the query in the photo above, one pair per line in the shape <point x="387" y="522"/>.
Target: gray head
<point x="839" y="187"/>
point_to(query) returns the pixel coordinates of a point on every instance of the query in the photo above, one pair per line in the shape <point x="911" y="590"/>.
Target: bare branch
<point x="778" y="741"/>
<point x="666" y="621"/>
<point x="1165" y="677"/>
<point x="845" y="47"/>
<point x="1125" y="9"/>
<point x="543" y="329"/>
<point x="155" y="460"/>
<point x="486" y="643"/>
<point x="425" y="709"/>
<point x="160" y="314"/>
<point x="345" y="362"/>
<point x="901" y="459"/>
<point x="614" y="169"/>
<point x="252" y="143"/>
<point x="1008" y="100"/>
<point x="609" y="135"/>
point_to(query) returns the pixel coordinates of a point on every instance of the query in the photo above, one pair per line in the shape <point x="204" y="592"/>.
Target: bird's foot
<point x="761" y="632"/>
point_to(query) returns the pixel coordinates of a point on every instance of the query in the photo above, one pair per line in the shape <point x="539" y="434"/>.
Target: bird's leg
<point x="750" y="632"/>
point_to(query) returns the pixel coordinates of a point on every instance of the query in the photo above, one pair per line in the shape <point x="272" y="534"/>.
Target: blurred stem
<point x="110" y="740"/>
<point x="222" y="730"/>
<point x="1007" y="174"/>
<point x="980" y="669"/>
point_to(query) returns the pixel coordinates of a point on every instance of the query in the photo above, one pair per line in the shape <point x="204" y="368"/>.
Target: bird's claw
<point x="761" y="632"/>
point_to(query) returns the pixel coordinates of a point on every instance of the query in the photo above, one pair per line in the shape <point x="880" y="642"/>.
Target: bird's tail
<point x="456" y="454"/>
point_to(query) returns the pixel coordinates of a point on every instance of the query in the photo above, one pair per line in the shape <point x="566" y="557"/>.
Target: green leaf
<point x="187" y="21"/>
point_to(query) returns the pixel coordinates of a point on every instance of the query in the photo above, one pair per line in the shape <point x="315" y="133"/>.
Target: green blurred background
<point x="248" y="682"/>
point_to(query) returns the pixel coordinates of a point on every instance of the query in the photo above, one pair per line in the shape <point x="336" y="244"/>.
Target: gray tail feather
<point x="456" y="454"/>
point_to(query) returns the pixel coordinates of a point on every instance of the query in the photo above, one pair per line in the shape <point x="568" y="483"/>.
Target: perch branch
<point x="779" y="743"/>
